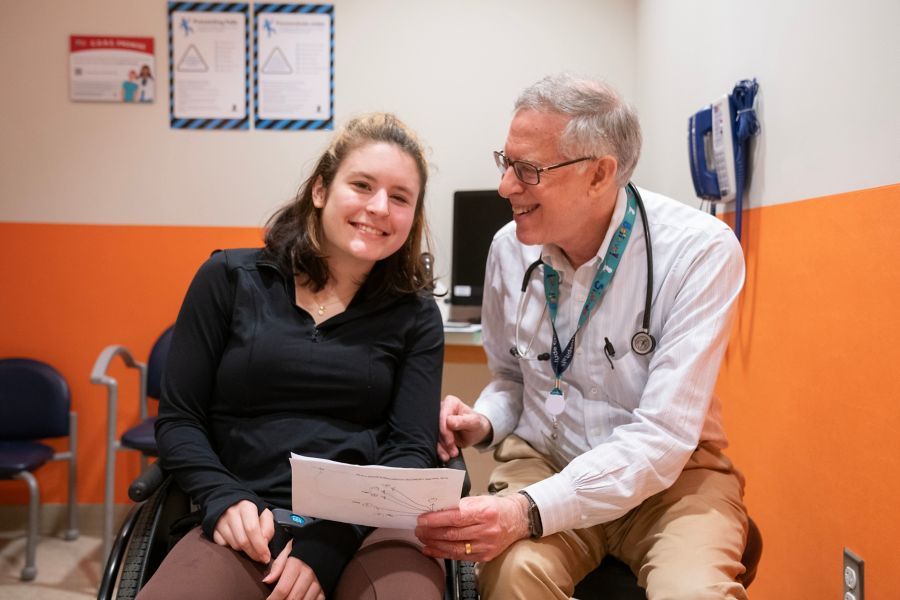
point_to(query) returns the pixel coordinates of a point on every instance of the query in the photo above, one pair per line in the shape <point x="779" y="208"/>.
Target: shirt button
<point x="593" y="391"/>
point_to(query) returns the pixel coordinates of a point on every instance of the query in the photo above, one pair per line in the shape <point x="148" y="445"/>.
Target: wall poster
<point x="209" y="65"/>
<point x="104" y="68"/>
<point x="293" y="57"/>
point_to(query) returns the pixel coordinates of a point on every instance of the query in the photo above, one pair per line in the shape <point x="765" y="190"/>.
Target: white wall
<point x="450" y="68"/>
<point x="829" y="81"/>
<point x="829" y="75"/>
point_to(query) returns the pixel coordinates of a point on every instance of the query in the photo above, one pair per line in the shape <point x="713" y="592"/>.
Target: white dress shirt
<point x="630" y="422"/>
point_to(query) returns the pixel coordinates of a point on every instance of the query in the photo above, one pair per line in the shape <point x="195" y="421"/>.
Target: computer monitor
<point x="477" y="215"/>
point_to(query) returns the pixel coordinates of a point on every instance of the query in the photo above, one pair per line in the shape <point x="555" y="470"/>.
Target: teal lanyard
<point x="561" y="359"/>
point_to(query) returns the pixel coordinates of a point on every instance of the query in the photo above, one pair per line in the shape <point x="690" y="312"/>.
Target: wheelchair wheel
<point x="137" y="558"/>
<point x="468" y="589"/>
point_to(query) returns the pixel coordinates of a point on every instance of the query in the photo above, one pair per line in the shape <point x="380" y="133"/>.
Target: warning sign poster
<point x="209" y="65"/>
<point x="294" y="61"/>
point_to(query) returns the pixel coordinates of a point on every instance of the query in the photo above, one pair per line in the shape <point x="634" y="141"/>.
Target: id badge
<point x="555" y="403"/>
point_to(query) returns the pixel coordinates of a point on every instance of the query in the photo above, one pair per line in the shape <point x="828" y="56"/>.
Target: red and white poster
<point x="111" y="69"/>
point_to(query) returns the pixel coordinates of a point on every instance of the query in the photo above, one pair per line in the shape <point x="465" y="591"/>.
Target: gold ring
<point x="468" y="548"/>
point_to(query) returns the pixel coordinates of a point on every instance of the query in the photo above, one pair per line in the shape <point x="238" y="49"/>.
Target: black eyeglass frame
<point x="503" y="163"/>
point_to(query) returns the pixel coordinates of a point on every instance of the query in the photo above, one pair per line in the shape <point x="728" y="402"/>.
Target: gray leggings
<point x="387" y="566"/>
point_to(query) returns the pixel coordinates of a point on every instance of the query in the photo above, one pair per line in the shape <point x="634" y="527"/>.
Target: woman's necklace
<point x="321" y="306"/>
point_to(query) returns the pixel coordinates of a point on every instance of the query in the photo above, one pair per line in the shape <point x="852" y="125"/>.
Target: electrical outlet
<point x="853" y="576"/>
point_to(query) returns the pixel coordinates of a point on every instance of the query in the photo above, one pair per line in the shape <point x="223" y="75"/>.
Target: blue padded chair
<point x="139" y="437"/>
<point x="35" y="405"/>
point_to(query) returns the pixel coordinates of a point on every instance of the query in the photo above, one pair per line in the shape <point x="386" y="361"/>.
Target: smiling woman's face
<point x="369" y="209"/>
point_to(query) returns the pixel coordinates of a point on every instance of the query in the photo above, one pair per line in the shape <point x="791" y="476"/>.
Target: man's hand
<point x="460" y="427"/>
<point x="295" y="579"/>
<point x="484" y="526"/>
<point x="243" y="529"/>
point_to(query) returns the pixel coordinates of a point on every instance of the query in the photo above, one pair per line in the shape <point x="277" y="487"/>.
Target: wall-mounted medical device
<point x="718" y="144"/>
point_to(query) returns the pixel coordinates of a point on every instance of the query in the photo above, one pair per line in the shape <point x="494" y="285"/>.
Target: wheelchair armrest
<point x="459" y="462"/>
<point x="146" y="483"/>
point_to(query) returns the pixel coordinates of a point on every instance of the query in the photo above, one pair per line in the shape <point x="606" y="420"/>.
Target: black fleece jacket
<point x="250" y="378"/>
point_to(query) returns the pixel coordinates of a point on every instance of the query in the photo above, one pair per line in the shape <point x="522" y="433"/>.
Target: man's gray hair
<point x="601" y="121"/>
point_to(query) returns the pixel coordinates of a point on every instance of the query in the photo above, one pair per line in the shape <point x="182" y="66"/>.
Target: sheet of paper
<point x="370" y="495"/>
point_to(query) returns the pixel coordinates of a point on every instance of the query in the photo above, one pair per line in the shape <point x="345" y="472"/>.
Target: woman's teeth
<point x="367" y="229"/>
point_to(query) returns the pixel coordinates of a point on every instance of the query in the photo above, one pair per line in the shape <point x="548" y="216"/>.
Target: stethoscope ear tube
<point x="529" y="271"/>
<point x="517" y="350"/>
<point x="642" y="342"/>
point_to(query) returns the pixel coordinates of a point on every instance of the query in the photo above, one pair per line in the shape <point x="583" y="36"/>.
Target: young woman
<point x="324" y="343"/>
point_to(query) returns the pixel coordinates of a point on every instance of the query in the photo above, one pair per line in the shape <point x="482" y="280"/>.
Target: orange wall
<point x="811" y="391"/>
<point x="70" y="290"/>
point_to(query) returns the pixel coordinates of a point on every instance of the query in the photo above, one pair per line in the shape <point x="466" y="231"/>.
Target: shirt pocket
<point x="623" y="384"/>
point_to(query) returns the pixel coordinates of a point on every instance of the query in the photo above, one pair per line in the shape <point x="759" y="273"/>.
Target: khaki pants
<point x="684" y="543"/>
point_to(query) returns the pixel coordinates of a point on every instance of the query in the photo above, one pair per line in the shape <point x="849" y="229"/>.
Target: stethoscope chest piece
<point x="643" y="343"/>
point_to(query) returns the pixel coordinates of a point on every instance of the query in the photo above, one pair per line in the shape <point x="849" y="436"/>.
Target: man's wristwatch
<point x="535" y="528"/>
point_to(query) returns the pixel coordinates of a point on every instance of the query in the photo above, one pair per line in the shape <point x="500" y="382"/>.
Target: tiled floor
<point x="65" y="570"/>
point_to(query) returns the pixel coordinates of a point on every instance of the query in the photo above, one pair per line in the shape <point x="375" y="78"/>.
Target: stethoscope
<point x="642" y="342"/>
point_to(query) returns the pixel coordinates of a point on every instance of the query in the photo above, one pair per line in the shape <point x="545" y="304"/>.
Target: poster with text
<point x="111" y="69"/>
<point x="209" y="65"/>
<point x="294" y="66"/>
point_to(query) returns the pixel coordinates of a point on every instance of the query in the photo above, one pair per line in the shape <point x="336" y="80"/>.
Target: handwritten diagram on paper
<point x="370" y="495"/>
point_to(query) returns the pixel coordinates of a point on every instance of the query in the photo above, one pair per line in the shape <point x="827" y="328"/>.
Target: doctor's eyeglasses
<point x="527" y="172"/>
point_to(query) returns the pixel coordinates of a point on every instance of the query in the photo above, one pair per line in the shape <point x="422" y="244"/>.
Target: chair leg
<point x="34" y="501"/>
<point x="111" y="447"/>
<point x="72" y="532"/>
<point x="108" y="504"/>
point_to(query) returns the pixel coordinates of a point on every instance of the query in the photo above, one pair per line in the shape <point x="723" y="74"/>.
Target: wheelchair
<point x="158" y="520"/>
<point x="151" y="529"/>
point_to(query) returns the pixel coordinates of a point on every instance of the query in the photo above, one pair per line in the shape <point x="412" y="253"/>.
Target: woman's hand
<point x="242" y="529"/>
<point x="296" y="581"/>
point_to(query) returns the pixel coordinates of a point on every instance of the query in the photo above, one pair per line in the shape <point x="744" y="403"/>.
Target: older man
<point x="601" y="410"/>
